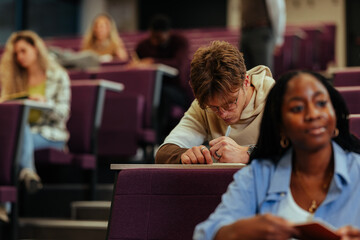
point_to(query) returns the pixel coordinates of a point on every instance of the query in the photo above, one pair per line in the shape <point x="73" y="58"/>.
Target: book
<point x="15" y="96"/>
<point x="314" y="230"/>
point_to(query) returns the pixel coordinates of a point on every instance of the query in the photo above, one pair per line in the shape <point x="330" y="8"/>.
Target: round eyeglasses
<point x="225" y="108"/>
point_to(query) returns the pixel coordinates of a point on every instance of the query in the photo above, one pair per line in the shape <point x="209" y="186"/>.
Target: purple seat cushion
<point x="8" y="194"/>
<point x="165" y="203"/>
<point x="84" y="161"/>
<point x="53" y="156"/>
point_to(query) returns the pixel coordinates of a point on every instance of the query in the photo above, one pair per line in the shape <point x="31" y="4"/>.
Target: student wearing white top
<point x="306" y="167"/>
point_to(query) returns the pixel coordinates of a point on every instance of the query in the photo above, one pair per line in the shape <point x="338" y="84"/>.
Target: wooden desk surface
<point x="114" y="86"/>
<point x="30" y="104"/>
<point x="178" y="166"/>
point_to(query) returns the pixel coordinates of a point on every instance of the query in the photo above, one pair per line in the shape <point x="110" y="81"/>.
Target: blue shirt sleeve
<point x="237" y="203"/>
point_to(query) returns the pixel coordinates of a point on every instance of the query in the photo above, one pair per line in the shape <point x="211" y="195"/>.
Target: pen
<point x="228" y="130"/>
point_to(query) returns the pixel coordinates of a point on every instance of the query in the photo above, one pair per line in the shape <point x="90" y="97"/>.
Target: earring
<point x="284" y="142"/>
<point x="336" y="132"/>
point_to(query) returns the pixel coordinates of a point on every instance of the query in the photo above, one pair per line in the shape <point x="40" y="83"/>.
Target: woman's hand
<point x="259" y="227"/>
<point x="348" y="233"/>
<point x="37" y="97"/>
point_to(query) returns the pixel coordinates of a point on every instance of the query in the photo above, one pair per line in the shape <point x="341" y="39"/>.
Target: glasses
<point x="225" y="108"/>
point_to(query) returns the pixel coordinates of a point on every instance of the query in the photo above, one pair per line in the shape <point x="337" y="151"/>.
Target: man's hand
<point x="198" y="154"/>
<point x="226" y="150"/>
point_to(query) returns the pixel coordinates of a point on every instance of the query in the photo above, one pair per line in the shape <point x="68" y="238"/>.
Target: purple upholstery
<point x="289" y="55"/>
<point x="8" y="194"/>
<point x="80" y="126"/>
<point x="352" y="98"/>
<point x="85" y="161"/>
<point x="138" y="81"/>
<point x="81" y="121"/>
<point x="52" y="156"/>
<point x="328" y="37"/>
<point x="347" y="78"/>
<point x="121" y="128"/>
<point x="79" y="74"/>
<point x="164" y="203"/>
<point x="354" y="124"/>
<point x="10" y="120"/>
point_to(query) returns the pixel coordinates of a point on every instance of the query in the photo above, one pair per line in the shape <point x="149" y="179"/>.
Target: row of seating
<point x="130" y="118"/>
<point x="347" y="82"/>
<point x="86" y="111"/>
<point x="158" y="203"/>
<point x="306" y="46"/>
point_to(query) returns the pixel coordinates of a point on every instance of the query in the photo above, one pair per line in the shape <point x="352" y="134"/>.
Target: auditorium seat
<point x="347" y="77"/>
<point x="121" y="131"/>
<point x="10" y="129"/>
<point x="144" y="81"/>
<point x="84" y="122"/>
<point x="13" y="117"/>
<point x="352" y="98"/>
<point x="164" y="203"/>
<point x="354" y="124"/>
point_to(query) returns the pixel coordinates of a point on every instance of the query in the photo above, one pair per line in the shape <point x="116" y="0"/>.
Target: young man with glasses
<point x="226" y="95"/>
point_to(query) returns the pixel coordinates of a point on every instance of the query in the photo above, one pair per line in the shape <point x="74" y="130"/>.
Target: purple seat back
<point x="354" y="124"/>
<point x="10" y="120"/>
<point x="81" y="121"/>
<point x="136" y="81"/>
<point x="328" y="44"/>
<point x="79" y="74"/>
<point x="164" y="203"/>
<point x="347" y="78"/>
<point x="351" y="96"/>
<point x="121" y="124"/>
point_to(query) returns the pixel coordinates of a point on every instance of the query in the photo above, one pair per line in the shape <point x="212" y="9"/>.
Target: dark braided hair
<point x="268" y="145"/>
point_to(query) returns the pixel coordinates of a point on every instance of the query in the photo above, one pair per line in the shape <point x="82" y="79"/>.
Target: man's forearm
<point x="169" y="154"/>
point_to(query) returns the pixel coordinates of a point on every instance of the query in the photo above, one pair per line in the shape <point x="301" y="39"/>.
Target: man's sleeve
<point x="169" y="153"/>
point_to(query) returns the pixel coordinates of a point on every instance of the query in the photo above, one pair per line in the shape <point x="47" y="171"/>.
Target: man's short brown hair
<point x="217" y="69"/>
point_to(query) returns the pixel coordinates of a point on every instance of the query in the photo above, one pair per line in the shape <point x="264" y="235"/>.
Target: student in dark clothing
<point x="169" y="48"/>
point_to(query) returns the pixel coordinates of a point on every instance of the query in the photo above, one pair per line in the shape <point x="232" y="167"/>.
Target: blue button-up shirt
<point x="260" y="187"/>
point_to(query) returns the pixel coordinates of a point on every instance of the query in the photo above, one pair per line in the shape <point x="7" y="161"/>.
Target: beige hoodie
<point x="198" y="126"/>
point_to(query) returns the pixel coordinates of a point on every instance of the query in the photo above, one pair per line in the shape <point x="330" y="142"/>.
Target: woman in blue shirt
<point x="306" y="167"/>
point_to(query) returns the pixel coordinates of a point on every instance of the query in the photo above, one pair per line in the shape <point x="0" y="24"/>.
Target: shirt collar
<point x="341" y="165"/>
<point x="280" y="181"/>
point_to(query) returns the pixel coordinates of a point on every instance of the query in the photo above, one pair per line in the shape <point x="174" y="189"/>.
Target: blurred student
<point x="262" y="31"/>
<point x="306" y="167"/>
<point x="172" y="49"/>
<point x="27" y="70"/>
<point x="226" y="96"/>
<point x="103" y="38"/>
